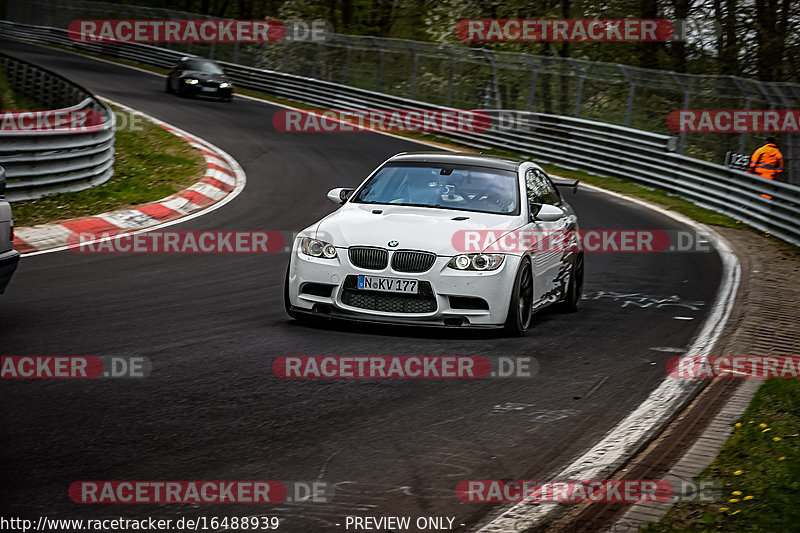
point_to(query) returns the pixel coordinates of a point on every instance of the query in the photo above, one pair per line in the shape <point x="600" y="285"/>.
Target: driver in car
<point x="422" y="188"/>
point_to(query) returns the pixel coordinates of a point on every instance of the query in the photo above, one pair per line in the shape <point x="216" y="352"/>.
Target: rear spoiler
<point x="563" y="182"/>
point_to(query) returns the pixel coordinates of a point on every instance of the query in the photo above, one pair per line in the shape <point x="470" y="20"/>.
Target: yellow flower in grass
<point x="776" y="439"/>
<point x="738" y="473"/>
<point x="737" y="511"/>
<point x="737" y="493"/>
<point x="765" y="430"/>
<point x="734" y="500"/>
<point x="723" y="509"/>
<point x="751" y="421"/>
<point x="781" y="458"/>
<point x="762" y="425"/>
<point x="737" y="424"/>
<point x="748" y="498"/>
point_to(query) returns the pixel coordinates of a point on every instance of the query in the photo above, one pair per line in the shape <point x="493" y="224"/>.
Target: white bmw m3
<point x="401" y="248"/>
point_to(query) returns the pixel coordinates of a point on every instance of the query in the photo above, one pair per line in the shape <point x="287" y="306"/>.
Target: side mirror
<point x="566" y="183"/>
<point x="546" y="212"/>
<point x="339" y="195"/>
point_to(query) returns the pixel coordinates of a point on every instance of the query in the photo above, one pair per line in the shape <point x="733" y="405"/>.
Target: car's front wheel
<point x="520" y="308"/>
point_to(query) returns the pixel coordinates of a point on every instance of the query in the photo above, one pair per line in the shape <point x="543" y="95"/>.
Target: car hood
<point x="203" y="76"/>
<point x="417" y="228"/>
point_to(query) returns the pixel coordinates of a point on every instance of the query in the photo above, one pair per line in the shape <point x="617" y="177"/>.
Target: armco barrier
<point x="573" y="143"/>
<point x="38" y="163"/>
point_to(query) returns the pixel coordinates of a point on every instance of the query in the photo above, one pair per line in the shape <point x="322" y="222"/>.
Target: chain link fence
<point x="478" y="78"/>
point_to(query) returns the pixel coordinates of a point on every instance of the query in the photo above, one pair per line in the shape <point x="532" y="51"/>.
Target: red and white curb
<point x="223" y="180"/>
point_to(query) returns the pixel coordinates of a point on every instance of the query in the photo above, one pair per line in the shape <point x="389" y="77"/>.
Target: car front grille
<point x="210" y="84"/>
<point x="422" y="302"/>
<point x="412" y="261"/>
<point x="369" y="258"/>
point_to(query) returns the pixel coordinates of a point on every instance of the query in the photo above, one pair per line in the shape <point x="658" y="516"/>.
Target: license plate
<point x="208" y="89"/>
<point x="374" y="283"/>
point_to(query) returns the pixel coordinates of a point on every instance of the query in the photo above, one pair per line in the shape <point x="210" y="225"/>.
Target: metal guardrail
<point x="39" y="163"/>
<point x="573" y="143"/>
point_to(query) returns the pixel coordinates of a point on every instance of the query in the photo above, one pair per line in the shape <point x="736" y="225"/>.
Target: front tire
<point x="520" y="308"/>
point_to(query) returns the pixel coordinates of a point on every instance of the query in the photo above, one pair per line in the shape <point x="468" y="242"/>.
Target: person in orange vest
<point x="767" y="162"/>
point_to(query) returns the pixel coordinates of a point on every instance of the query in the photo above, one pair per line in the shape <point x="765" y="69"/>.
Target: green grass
<point x="750" y="462"/>
<point x="148" y="166"/>
<point x="13" y="101"/>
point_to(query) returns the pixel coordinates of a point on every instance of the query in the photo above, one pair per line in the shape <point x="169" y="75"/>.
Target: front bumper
<point x="197" y="90"/>
<point x="447" y="297"/>
<point x="8" y="264"/>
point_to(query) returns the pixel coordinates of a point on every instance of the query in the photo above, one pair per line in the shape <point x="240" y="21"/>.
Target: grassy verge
<point x="149" y="164"/>
<point x="758" y="469"/>
<point x="11" y="100"/>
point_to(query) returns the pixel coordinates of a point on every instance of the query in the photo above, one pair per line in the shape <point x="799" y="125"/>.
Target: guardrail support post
<point x="413" y="88"/>
<point x="686" y="98"/>
<point x="534" y="75"/>
<point x="346" y="69"/>
<point x="581" y="77"/>
<point x="748" y="99"/>
<point x="449" y="98"/>
<point x="379" y="71"/>
<point x="743" y="135"/>
<point x="492" y="85"/>
<point x="631" y="94"/>
<point x="315" y="62"/>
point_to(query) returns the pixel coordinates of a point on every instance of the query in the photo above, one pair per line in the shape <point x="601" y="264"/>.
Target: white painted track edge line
<point x="241" y="181"/>
<point x="669" y="397"/>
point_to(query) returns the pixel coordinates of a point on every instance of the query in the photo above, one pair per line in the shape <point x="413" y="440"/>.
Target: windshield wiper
<point x="421" y="205"/>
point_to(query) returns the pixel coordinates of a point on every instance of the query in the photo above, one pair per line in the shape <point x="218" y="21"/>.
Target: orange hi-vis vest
<point x="767" y="161"/>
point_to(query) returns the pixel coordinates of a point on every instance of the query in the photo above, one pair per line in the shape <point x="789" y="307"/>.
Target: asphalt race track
<point x="212" y="326"/>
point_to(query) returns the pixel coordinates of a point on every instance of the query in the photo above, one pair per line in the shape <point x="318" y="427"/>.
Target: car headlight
<point x="225" y="85"/>
<point x="316" y="248"/>
<point x="191" y="81"/>
<point x="476" y="261"/>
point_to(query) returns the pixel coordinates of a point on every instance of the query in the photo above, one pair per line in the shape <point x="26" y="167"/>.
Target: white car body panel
<point x="427" y="229"/>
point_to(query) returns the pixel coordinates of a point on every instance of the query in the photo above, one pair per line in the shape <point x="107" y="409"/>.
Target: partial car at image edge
<point x="9" y="257"/>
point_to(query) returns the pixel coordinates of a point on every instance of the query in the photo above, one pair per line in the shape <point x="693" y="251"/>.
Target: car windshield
<point x="202" y="66"/>
<point x="466" y="188"/>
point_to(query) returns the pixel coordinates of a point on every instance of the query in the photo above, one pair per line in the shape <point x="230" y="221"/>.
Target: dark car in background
<point x="194" y="76"/>
<point x="9" y="258"/>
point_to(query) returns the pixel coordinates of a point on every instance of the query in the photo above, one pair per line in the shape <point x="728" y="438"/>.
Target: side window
<point x="539" y="188"/>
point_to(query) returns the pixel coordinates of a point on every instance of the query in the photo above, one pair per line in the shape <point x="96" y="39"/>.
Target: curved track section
<point x="212" y="325"/>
